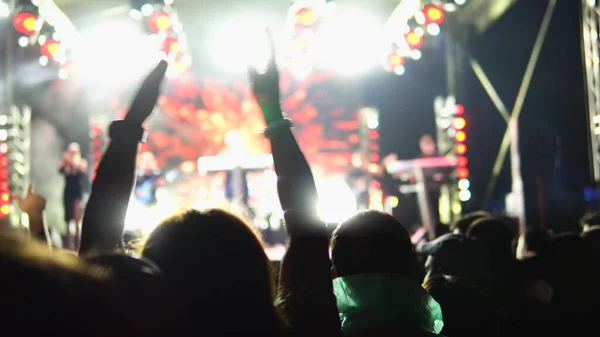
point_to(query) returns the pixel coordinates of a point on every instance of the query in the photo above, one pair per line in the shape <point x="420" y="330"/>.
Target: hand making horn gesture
<point x="147" y="96"/>
<point x="265" y="86"/>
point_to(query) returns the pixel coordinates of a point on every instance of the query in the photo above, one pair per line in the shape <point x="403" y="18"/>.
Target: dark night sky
<point x="554" y="110"/>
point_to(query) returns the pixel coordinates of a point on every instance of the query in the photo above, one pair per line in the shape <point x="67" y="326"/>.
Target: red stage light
<point x="373" y="134"/>
<point x="50" y="48"/>
<point x="374" y="158"/>
<point x="460" y="123"/>
<point x="306" y="17"/>
<point x="462" y="161"/>
<point x="433" y="14"/>
<point x="3" y="161"/>
<point x="159" y="22"/>
<point x="462" y="173"/>
<point x="414" y="40"/>
<point x="25" y="23"/>
<point x="460" y="109"/>
<point x="461" y="136"/>
<point x="170" y="45"/>
<point x="396" y="60"/>
<point x="4" y="186"/>
<point x="461" y="149"/>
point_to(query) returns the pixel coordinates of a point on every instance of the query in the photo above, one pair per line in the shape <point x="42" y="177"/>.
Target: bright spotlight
<point x="23" y="41"/>
<point x="464" y="195"/>
<point x="460" y="2"/>
<point x="241" y="43"/>
<point x="43" y="60"/>
<point x="4" y="10"/>
<point x="433" y="29"/>
<point x="464" y="184"/>
<point x="399" y="70"/>
<point x="147" y="9"/>
<point x="349" y="43"/>
<point x="337" y="202"/>
<point x="416" y="54"/>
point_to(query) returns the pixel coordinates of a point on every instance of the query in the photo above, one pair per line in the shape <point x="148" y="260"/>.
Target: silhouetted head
<point x="217" y="263"/>
<point x="427" y="145"/>
<point x="462" y="225"/>
<point x="494" y="234"/>
<point x="48" y="290"/>
<point x="372" y="242"/>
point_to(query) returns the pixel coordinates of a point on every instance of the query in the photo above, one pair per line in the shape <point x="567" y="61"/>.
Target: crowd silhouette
<point x="481" y="279"/>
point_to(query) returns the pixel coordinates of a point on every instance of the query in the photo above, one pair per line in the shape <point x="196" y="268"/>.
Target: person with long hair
<point x="74" y="168"/>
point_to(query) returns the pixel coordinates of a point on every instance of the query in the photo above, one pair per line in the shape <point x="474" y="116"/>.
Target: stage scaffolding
<point x="589" y="29"/>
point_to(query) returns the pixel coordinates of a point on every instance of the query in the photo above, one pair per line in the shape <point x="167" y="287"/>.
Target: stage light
<point x="460" y="136"/>
<point x="396" y="60"/>
<point x="464" y="184"/>
<point x="25" y="23"/>
<point x="170" y="45"/>
<point x="159" y="22"/>
<point x="5" y="209"/>
<point x="4" y="10"/>
<point x="463" y="173"/>
<point x="50" y="49"/>
<point x="23" y="41"/>
<point x="433" y="29"/>
<point x="459" y="123"/>
<point x="461" y="149"/>
<point x="5" y="197"/>
<point x="416" y="54"/>
<point x="3" y="148"/>
<point x="63" y="74"/>
<point x="399" y="70"/>
<point x="460" y="2"/>
<point x="459" y="109"/>
<point x="462" y="161"/>
<point x="306" y="17"/>
<point x="3" y="135"/>
<point x="414" y="40"/>
<point x="43" y="60"/>
<point x="464" y="195"/>
<point x="434" y="14"/>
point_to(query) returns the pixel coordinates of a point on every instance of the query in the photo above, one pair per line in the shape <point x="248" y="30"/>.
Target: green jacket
<point x="385" y="302"/>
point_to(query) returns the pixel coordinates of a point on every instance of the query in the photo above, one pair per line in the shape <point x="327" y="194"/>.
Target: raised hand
<point x="147" y="96"/>
<point x="265" y="86"/>
<point x="32" y="203"/>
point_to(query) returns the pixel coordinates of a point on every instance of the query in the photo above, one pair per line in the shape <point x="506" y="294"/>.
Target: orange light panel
<point x="25" y="23"/>
<point x="434" y="14"/>
<point x="461" y="149"/>
<point x="461" y="136"/>
<point x="460" y="123"/>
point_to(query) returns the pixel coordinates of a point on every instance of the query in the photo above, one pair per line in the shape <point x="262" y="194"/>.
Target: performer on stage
<point x="432" y="177"/>
<point x="236" y="149"/>
<point x="74" y="168"/>
<point x="147" y="180"/>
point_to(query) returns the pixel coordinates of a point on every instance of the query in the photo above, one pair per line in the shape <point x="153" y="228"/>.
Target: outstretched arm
<point x="306" y="291"/>
<point x="104" y="218"/>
